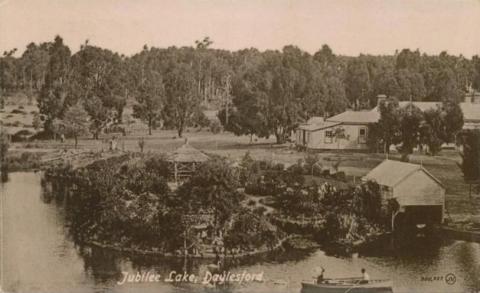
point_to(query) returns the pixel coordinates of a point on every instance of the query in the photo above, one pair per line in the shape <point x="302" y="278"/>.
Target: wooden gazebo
<point x="184" y="161"/>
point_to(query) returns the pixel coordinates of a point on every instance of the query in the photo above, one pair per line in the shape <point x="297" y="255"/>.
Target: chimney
<point x="476" y="98"/>
<point x="381" y="98"/>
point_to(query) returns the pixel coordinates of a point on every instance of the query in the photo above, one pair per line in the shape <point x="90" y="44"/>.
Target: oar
<point x="355" y="286"/>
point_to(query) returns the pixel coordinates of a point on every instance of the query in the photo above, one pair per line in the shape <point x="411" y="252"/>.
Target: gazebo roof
<point x="186" y="153"/>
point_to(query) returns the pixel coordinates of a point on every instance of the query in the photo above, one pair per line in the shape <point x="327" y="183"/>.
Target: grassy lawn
<point x="355" y="165"/>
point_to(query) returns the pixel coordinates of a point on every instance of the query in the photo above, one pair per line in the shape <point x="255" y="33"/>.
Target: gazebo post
<point x="175" y="172"/>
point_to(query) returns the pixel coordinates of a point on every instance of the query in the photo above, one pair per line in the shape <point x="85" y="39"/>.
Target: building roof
<point x="186" y="154"/>
<point x="357" y="117"/>
<point x="470" y="111"/>
<point x="390" y="173"/>
<point x="315" y="120"/>
<point x="211" y="114"/>
<point x="423" y="106"/>
<point x="317" y="126"/>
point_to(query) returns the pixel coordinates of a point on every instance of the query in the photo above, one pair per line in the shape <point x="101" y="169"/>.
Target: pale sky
<point x="349" y="27"/>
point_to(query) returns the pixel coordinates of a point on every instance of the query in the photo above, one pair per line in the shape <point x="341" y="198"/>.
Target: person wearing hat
<point x="320" y="277"/>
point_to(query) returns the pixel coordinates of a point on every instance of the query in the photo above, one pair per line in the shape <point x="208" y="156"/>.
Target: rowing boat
<point x="348" y="285"/>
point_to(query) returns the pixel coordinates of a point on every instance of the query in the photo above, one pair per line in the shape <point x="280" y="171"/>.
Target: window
<point x="329" y="136"/>
<point x="362" y="135"/>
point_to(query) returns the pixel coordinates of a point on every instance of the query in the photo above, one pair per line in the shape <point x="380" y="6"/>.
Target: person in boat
<point x="320" y="277"/>
<point x="365" y="277"/>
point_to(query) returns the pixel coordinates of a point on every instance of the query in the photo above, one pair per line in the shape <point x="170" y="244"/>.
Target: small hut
<point x="184" y="161"/>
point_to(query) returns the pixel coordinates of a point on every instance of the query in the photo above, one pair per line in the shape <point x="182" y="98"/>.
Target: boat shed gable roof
<point x="390" y="173"/>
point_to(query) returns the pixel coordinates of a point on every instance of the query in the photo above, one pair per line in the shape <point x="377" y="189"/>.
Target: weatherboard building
<point x="420" y="195"/>
<point x="349" y="130"/>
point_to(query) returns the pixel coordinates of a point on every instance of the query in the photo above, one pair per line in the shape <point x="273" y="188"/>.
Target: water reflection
<point x="39" y="256"/>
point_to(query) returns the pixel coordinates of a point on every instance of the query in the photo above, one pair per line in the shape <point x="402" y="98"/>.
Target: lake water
<point x="38" y="256"/>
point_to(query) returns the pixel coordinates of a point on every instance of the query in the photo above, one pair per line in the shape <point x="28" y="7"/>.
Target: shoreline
<point x="152" y="252"/>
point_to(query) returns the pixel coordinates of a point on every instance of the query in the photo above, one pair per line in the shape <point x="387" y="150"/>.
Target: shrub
<point x="341" y="176"/>
<point x="22" y="135"/>
<point x="251" y="202"/>
<point x="278" y="167"/>
<point x="326" y="173"/>
<point x="116" y="128"/>
<point x="316" y="170"/>
<point x="26" y="161"/>
<point x="17" y="111"/>
<point x="260" y="210"/>
<point x="215" y="127"/>
<point x="269" y="183"/>
<point x="158" y="165"/>
<point x="311" y="161"/>
<point x="4" y="144"/>
<point x="295" y="169"/>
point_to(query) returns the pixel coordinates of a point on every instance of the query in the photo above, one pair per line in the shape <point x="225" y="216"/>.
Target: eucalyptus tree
<point x="358" y="83"/>
<point x="55" y="97"/>
<point x="97" y="80"/>
<point x="150" y="100"/>
<point x="75" y="122"/>
<point x="34" y="66"/>
<point x="182" y="97"/>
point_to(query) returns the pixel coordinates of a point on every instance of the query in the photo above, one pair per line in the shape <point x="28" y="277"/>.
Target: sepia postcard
<point x="242" y="146"/>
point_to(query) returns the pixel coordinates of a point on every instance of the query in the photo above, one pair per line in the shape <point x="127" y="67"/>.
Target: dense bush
<point x="213" y="186"/>
<point x="159" y="165"/>
<point x="26" y="161"/>
<point x="265" y="183"/>
<point x="341" y="176"/>
<point x="18" y="111"/>
<point x="215" y="126"/>
<point x="22" y="135"/>
<point x="249" y="230"/>
<point x="114" y="202"/>
<point x="4" y="145"/>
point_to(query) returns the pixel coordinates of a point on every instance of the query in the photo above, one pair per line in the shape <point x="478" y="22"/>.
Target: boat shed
<point x="420" y="196"/>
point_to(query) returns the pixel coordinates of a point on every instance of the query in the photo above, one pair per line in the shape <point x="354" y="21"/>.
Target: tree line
<point x="257" y="93"/>
<point x="409" y="127"/>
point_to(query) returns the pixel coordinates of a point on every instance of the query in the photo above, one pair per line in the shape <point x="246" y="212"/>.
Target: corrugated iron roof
<point x="390" y="173"/>
<point x="317" y="126"/>
<point x="315" y="120"/>
<point x="358" y="117"/>
<point x="470" y="111"/>
<point x="423" y="106"/>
